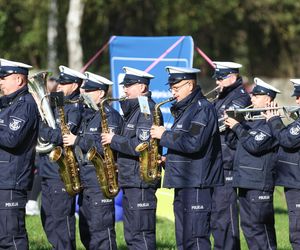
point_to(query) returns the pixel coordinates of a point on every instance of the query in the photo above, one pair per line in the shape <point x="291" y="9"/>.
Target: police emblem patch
<point x="15" y="124"/>
<point x="295" y="130"/>
<point x="259" y="137"/>
<point x="144" y="135"/>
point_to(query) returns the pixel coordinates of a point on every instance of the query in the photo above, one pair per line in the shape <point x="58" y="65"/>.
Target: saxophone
<point x="106" y="169"/>
<point x="68" y="166"/>
<point x="149" y="156"/>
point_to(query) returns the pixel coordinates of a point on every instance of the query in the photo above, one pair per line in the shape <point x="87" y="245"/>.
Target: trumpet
<point x="214" y="91"/>
<point x="247" y="113"/>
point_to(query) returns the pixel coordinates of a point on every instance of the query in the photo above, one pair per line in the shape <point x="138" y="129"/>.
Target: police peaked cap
<point x="95" y="82"/>
<point x="68" y="75"/>
<point x="296" y="83"/>
<point x="10" y="67"/>
<point x="223" y="69"/>
<point x="263" y="88"/>
<point x="133" y="76"/>
<point x="177" y="74"/>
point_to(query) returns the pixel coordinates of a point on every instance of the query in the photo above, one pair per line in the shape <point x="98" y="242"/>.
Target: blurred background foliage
<point x="262" y="35"/>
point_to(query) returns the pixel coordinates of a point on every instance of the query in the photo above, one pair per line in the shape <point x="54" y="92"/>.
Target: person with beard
<point x="254" y="169"/>
<point x="18" y="137"/>
<point x="57" y="206"/>
<point x="139" y="199"/>
<point x="193" y="163"/>
<point x="224" y="219"/>
<point x="96" y="211"/>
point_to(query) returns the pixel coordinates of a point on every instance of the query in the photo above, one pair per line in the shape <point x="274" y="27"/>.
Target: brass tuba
<point x="68" y="166"/>
<point x="37" y="87"/>
<point x="149" y="156"/>
<point x="106" y="169"/>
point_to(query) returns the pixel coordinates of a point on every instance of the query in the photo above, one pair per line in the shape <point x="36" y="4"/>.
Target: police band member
<point x="288" y="168"/>
<point x="96" y="213"/>
<point x="58" y="207"/>
<point x="18" y="137"/>
<point x="193" y="162"/>
<point x="139" y="200"/>
<point x="254" y="170"/>
<point x="225" y="223"/>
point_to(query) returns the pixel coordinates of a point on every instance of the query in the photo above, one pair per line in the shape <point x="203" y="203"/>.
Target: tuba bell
<point x="37" y="87"/>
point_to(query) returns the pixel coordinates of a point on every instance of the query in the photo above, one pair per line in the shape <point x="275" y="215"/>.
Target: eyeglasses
<point x="3" y="76"/>
<point x="176" y="89"/>
<point x="129" y="86"/>
<point x="221" y="78"/>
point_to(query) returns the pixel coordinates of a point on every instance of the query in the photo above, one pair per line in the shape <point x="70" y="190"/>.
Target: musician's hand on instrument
<point x="157" y="131"/>
<point x="162" y="161"/>
<point x="268" y="114"/>
<point x="69" y="139"/>
<point x="230" y="122"/>
<point x="106" y="138"/>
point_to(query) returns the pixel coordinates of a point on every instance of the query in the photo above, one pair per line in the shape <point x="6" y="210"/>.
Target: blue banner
<point x="154" y="54"/>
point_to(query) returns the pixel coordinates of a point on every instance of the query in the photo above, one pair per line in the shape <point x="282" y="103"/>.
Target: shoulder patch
<point x="15" y="123"/>
<point x="260" y="137"/>
<point x="144" y="134"/>
<point x="295" y="130"/>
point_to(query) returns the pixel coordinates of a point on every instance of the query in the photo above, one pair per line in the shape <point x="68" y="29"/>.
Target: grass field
<point x="165" y="228"/>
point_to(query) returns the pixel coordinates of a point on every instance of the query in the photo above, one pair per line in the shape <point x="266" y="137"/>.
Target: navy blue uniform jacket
<point x="255" y="156"/>
<point x="18" y="138"/>
<point x="90" y="135"/>
<point x="73" y="112"/>
<point x="136" y="129"/>
<point x="194" y="157"/>
<point x="288" y="157"/>
<point x="233" y="96"/>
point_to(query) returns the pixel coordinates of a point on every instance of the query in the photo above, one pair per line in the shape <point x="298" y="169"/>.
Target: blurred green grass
<point x="165" y="236"/>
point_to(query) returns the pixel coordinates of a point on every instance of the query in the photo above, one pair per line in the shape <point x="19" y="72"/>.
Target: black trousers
<point x="13" y="233"/>
<point x="225" y="218"/>
<point x="139" y="207"/>
<point x="192" y="209"/>
<point x="58" y="215"/>
<point x="292" y="196"/>
<point x="96" y="220"/>
<point x="257" y="218"/>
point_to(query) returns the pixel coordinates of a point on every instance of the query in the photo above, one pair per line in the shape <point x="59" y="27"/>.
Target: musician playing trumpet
<point x="254" y="171"/>
<point x="224" y="218"/>
<point x="288" y="167"/>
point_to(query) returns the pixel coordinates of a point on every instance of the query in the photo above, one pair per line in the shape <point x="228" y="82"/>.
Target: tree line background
<point x="262" y="35"/>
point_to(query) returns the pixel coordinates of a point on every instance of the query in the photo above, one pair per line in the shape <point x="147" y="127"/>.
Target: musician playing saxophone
<point x="193" y="161"/>
<point x="139" y="200"/>
<point x="58" y="207"/>
<point x="97" y="213"/>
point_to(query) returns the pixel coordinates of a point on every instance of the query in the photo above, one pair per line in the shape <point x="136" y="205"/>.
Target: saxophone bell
<point x="150" y="169"/>
<point x="65" y="157"/>
<point x="56" y="155"/>
<point x="106" y="168"/>
<point x="109" y="188"/>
